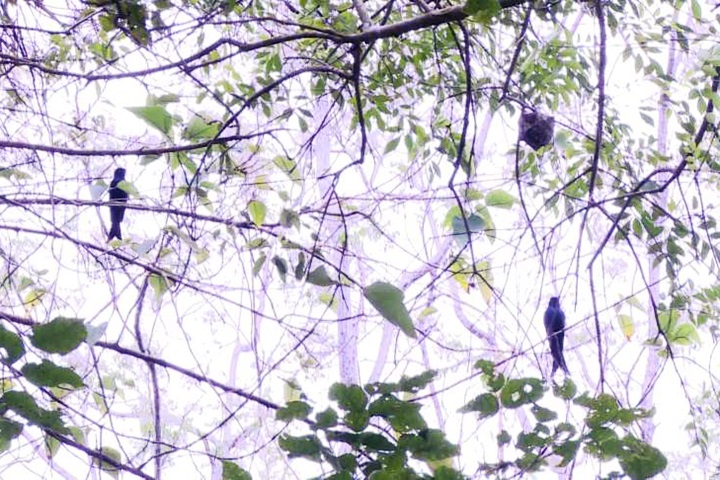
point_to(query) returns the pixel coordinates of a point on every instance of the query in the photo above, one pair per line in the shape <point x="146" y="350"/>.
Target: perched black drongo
<point x="117" y="211"/>
<point x="555" y="329"/>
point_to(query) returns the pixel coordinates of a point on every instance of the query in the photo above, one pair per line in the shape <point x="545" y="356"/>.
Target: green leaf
<point x="155" y="116"/>
<point x="12" y="345"/>
<point x="300" y="267"/>
<point x="392" y="145"/>
<point x="289" y="218"/>
<point x="388" y="300"/>
<point x="52" y="445"/>
<point x="24" y="405"/>
<point x="350" y="398"/>
<point x="416" y="383"/>
<point x="292" y="411"/>
<point x="499" y="199"/>
<point x="627" y="327"/>
<point x="566" y="391"/>
<point x="685" y="334"/>
<point x="668" y="320"/>
<point x="503" y="438"/>
<point x="543" y="414"/>
<point x="230" y="471"/>
<point x="107" y="467"/>
<point x="403" y="416"/>
<point x="353" y="400"/>
<point x="281" y="266"/>
<point x="568" y="450"/>
<point x="159" y="284"/>
<point x="328" y="418"/>
<point x="320" y="277"/>
<point x="308" y="446"/>
<point x="60" y="335"/>
<point x="377" y="442"/>
<point x="486" y="405"/>
<point x="640" y="460"/>
<point x="257" y="211"/>
<point x="9" y="430"/>
<point x="47" y="374"/>
<point x="429" y="444"/>
<point x="475" y="224"/>
<point x="696" y="10"/>
<point x="257" y="265"/>
<point x="197" y="129"/>
<point x="521" y="391"/>
<point x="289" y="167"/>
<point x="482" y="10"/>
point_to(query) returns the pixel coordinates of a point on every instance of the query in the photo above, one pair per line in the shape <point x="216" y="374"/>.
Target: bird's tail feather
<point x="115" y="232"/>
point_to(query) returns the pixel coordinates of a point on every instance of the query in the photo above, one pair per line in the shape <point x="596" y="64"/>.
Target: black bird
<point x="117" y="212"/>
<point x="555" y="329"/>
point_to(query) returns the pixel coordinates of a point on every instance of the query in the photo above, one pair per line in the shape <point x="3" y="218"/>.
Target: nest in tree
<point x="536" y="129"/>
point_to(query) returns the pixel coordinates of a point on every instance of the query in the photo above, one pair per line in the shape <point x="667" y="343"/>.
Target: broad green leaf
<point x="486" y="405"/>
<point x="289" y="218"/>
<point x="430" y="444"/>
<point x="668" y="320"/>
<point x="328" y="418"/>
<point x="696" y="10"/>
<point x="289" y="167"/>
<point x="155" y="116"/>
<point x="376" y="442"/>
<point x="543" y="414"/>
<point x="415" y="383"/>
<point x="257" y="211"/>
<point x="566" y="391"/>
<point x="295" y="410"/>
<point x="503" y="438"/>
<point x="47" y="374"/>
<point x="257" y="265"/>
<point x="403" y="416"/>
<point x="482" y="10"/>
<point x="12" y="345"/>
<point x="230" y="471"/>
<point x="392" y="145"/>
<point x="475" y="224"/>
<point x="107" y="467"/>
<point x="24" y="405"/>
<point x="52" y="445"/>
<point x="300" y="267"/>
<point x="521" y="391"/>
<point x="685" y="334"/>
<point x="159" y="284"/>
<point x="320" y="277"/>
<point x="60" y="335"/>
<point x="129" y="188"/>
<point x="627" y="327"/>
<point x="9" y="430"/>
<point x="388" y="300"/>
<point x="198" y="130"/>
<point x="281" y="266"/>
<point x="640" y="460"/>
<point x="97" y="190"/>
<point x="78" y="435"/>
<point x="33" y="297"/>
<point x="351" y="398"/>
<point x="307" y="446"/>
<point x="499" y="199"/>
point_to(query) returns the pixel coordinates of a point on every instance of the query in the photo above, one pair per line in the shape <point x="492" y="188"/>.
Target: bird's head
<point x="119" y="174"/>
<point x="555" y="302"/>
